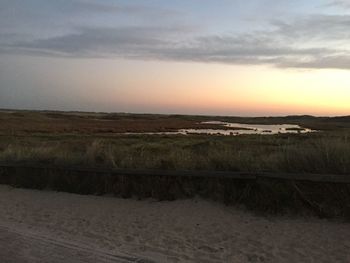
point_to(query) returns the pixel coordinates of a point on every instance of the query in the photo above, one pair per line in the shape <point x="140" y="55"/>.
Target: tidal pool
<point x="240" y="128"/>
<point x="232" y="129"/>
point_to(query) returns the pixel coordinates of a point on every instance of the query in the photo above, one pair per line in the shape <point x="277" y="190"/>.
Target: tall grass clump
<point x="99" y="152"/>
<point x="323" y="155"/>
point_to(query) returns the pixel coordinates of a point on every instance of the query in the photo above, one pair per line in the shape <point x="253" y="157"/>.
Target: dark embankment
<point x="257" y="193"/>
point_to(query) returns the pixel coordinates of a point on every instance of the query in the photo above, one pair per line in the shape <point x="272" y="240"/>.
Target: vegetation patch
<point x="90" y="140"/>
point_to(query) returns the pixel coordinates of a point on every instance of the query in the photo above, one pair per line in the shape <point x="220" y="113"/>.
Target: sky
<point x="222" y="57"/>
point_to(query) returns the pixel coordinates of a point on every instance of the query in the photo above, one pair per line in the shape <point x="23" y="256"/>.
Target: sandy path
<point x="20" y="245"/>
<point x="50" y="225"/>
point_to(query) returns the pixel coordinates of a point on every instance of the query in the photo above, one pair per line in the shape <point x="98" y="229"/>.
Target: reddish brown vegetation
<point x="52" y="122"/>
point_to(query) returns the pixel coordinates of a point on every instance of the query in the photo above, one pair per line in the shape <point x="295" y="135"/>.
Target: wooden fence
<point x="330" y="178"/>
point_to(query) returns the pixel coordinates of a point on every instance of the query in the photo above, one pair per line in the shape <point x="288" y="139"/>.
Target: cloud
<point x="51" y="18"/>
<point x="332" y="61"/>
<point x="318" y="41"/>
<point x="95" y="7"/>
<point x="131" y="42"/>
<point x="315" y="27"/>
<point x="341" y="3"/>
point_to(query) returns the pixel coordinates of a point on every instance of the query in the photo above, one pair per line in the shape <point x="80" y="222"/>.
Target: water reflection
<point x="240" y="128"/>
<point x="232" y="129"/>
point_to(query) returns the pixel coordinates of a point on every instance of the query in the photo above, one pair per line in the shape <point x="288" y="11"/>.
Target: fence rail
<point x="330" y="178"/>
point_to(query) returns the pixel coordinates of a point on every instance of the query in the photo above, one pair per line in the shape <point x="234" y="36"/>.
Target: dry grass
<point x="317" y="153"/>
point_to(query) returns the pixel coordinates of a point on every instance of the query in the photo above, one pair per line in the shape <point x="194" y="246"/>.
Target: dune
<point x="43" y="226"/>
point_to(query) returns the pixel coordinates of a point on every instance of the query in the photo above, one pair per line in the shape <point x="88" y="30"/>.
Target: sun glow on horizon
<point x="188" y="88"/>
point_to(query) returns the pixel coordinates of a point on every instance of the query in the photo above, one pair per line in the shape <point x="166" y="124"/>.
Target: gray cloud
<point x="306" y="43"/>
<point x="341" y="3"/>
<point x="339" y="62"/>
<point x="36" y="19"/>
<point x="130" y="42"/>
<point x="94" y="7"/>
<point x="315" y="28"/>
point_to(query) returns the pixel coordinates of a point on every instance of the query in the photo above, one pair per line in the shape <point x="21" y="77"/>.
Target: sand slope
<point x="48" y="225"/>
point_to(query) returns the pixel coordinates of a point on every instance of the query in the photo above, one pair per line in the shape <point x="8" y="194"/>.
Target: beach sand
<point x="43" y="226"/>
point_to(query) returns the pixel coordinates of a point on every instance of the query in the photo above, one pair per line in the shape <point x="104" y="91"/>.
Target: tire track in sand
<point x="26" y="246"/>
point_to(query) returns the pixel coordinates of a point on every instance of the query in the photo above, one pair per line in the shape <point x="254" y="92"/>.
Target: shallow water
<point x="239" y="128"/>
<point x="250" y="129"/>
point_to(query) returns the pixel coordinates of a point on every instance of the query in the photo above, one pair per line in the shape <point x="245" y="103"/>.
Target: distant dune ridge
<point x="92" y="123"/>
